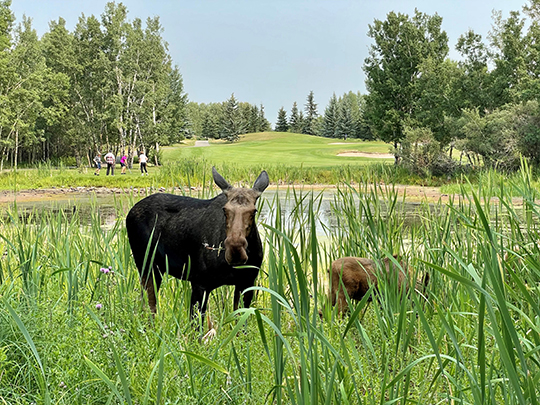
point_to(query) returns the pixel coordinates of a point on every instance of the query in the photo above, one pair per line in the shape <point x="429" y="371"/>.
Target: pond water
<point x="108" y="207"/>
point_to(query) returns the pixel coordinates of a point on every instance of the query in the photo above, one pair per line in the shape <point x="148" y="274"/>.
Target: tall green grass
<point x="74" y="330"/>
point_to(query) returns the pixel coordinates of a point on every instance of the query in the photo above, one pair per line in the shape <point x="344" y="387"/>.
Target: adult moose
<point x="200" y="241"/>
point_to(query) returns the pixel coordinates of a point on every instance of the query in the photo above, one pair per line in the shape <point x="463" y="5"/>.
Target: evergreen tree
<point x="281" y="123"/>
<point x="175" y="122"/>
<point x="210" y="123"/>
<point x="232" y="120"/>
<point x="311" y="115"/>
<point x="295" y="123"/>
<point x="264" y="124"/>
<point x="346" y="127"/>
<point x="330" y="118"/>
<point x="301" y="123"/>
<point x="249" y="116"/>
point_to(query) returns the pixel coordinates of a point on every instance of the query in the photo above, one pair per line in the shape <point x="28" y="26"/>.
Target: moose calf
<point x="357" y="274"/>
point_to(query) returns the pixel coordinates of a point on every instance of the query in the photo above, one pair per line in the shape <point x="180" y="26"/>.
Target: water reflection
<point x="294" y="207"/>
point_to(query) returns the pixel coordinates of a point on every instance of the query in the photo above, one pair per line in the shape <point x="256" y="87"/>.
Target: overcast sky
<point x="271" y="52"/>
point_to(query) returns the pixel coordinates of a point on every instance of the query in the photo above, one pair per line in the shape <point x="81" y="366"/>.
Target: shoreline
<point x="412" y="192"/>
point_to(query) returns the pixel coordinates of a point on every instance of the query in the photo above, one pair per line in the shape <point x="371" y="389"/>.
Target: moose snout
<point x="235" y="251"/>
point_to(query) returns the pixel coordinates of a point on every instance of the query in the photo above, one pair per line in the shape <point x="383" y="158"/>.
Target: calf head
<point x="240" y="215"/>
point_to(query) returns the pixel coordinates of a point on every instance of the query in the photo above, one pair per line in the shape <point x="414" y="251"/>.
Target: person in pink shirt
<point x="123" y="163"/>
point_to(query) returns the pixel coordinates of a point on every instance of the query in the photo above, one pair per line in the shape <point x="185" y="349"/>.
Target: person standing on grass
<point x="142" y="162"/>
<point x="97" y="161"/>
<point x="123" y="163"/>
<point x="110" y="159"/>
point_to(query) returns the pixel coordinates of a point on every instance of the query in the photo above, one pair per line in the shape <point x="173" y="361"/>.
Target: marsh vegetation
<point x="74" y="330"/>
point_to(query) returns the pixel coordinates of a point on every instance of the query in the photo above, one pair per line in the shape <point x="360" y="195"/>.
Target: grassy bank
<point x="73" y="333"/>
<point x="289" y="158"/>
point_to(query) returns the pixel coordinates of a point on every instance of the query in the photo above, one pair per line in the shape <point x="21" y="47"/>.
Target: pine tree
<point x="232" y="120"/>
<point x="264" y="124"/>
<point x="311" y="115"/>
<point x="301" y="123"/>
<point x="281" y="123"/>
<point x="345" y="127"/>
<point x="330" y="118"/>
<point x="295" y="122"/>
<point x="210" y="128"/>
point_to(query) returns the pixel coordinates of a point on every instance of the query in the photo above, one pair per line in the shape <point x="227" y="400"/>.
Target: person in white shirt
<point x="142" y="162"/>
<point x="110" y="160"/>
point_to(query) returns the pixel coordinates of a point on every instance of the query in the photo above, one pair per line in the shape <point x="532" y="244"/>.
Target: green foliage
<point x="281" y="124"/>
<point x="526" y="122"/>
<point x="309" y="126"/>
<point x="226" y="120"/>
<point x="330" y="119"/>
<point x="422" y="154"/>
<point x="403" y="45"/>
<point x="74" y="330"/>
<point x="296" y="122"/>
<point x="492" y="137"/>
<point x="233" y="125"/>
<point x="109" y="84"/>
<point x="344" y="118"/>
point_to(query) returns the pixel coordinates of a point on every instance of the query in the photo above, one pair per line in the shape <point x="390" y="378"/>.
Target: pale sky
<point x="271" y="52"/>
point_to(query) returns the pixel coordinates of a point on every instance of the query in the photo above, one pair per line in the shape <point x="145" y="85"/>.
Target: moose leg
<point x="248" y="296"/>
<point x="151" y="283"/>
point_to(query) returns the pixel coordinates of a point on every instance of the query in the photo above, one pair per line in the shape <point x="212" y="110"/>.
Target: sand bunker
<point x="354" y="153"/>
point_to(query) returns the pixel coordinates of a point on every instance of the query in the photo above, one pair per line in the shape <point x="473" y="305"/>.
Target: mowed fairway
<point x="280" y="148"/>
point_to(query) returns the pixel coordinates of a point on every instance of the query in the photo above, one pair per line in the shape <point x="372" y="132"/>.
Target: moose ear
<point x="261" y="183"/>
<point x="220" y="181"/>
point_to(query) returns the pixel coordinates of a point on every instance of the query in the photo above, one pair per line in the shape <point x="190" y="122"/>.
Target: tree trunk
<point x="16" y="149"/>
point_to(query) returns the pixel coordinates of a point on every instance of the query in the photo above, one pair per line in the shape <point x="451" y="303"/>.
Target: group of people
<point x="110" y="160"/>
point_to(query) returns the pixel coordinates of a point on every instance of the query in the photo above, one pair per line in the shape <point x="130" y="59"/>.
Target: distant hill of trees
<point x="227" y="120"/>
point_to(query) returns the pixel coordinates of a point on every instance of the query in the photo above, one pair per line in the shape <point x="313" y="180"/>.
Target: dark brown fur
<point x="357" y="274"/>
<point x="200" y="241"/>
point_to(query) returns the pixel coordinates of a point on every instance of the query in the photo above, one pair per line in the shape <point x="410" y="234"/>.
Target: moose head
<point x="240" y="213"/>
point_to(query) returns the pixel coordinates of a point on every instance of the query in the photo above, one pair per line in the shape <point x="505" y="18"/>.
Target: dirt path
<point x="201" y="143"/>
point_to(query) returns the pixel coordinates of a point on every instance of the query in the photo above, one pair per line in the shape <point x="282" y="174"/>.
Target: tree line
<point x="227" y="120"/>
<point x="108" y="85"/>
<point x="426" y="105"/>
<point x="343" y="118"/>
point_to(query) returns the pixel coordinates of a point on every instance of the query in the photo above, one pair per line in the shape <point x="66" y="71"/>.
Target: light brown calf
<point x="357" y="274"/>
